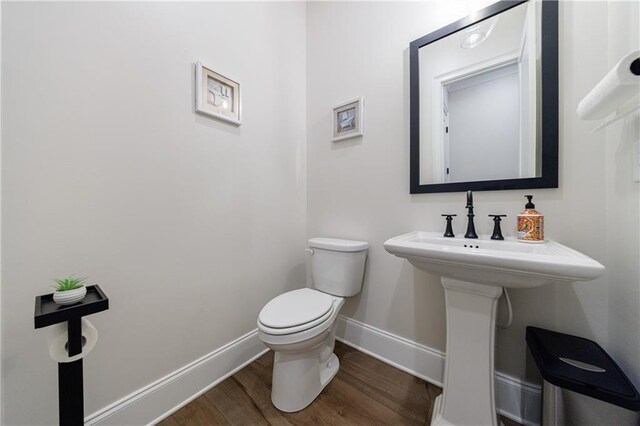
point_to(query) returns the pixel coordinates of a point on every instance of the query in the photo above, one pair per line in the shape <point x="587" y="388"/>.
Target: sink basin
<point x="507" y="263"/>
<point x="473" y="273"/>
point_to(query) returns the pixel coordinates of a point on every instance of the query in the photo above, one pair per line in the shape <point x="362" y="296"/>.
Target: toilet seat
<point x="295" y="311"/>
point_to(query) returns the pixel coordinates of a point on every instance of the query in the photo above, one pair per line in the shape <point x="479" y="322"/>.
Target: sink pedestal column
<point x="469" y="395"/>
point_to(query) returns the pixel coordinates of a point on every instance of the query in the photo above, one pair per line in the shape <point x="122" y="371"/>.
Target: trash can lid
<point x="582" y="366"/>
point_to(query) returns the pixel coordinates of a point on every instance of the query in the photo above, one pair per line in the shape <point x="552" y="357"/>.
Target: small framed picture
<point x="348" y="120"/>
<point x="217" y="96"/>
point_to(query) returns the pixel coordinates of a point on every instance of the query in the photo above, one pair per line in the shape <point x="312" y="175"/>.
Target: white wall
<point x="623" y="206"/>
<point x="360" y="188"/>
<point x="190" y="225"/>
<point x="1" y="400"/>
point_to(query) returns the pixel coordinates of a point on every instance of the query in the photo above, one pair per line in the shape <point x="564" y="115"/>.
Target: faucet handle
<point x="497" y="232"/>
<point x="449" y="231"/>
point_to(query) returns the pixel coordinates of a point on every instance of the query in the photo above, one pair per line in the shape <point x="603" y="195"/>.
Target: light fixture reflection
<point x="477" y="34"/>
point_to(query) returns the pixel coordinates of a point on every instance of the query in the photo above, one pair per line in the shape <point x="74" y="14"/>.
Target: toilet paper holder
<point x="70" y="382"/>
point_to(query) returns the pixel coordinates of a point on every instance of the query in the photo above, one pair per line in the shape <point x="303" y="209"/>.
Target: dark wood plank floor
<point x="364" y="392"/>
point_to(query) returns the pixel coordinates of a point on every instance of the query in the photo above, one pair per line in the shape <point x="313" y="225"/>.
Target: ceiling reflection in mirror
<point x="480" y="100"/>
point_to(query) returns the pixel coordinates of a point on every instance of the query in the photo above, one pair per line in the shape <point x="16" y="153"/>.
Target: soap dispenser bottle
<point x="530" y="224"/>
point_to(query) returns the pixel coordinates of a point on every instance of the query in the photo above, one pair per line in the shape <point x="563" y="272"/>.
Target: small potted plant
<point x="69" y="290"/>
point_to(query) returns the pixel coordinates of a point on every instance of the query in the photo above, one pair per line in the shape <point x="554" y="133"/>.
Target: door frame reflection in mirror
<point x="549" y="103"/>
<point x="441" y="82"/>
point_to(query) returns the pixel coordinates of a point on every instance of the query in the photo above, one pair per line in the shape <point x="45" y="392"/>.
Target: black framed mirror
<point x="484" y="101"/>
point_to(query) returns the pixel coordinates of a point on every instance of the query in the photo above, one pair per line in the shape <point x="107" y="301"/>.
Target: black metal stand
<point x="70" y="381"/>
<point x="70" y="393"/>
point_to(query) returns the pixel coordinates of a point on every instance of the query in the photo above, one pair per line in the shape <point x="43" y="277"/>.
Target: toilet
<point x="300" y="325"/>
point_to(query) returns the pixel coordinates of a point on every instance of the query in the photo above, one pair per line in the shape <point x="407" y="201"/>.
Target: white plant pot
<point x="70" y="297"/>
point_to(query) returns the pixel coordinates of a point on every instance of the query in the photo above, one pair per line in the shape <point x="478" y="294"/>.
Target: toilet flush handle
<point x="310" y="251"/>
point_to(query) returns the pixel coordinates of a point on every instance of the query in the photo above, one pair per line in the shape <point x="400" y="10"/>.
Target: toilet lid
<point x="295" y="308"/>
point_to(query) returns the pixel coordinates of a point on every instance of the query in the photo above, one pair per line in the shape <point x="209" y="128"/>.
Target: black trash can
<point x="582" y="384"/>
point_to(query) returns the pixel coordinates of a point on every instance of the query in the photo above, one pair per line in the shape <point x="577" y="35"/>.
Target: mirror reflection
<point x="480" y="100"/>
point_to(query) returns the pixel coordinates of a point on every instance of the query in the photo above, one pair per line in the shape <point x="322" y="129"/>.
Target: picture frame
<point x="348" y="120"/>
<point x="217" y="96"/>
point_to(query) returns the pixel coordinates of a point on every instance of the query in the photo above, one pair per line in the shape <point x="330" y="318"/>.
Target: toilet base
<point x="298" y="378"/>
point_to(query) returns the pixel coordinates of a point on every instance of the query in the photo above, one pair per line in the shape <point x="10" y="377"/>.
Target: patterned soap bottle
<point x="530" y="224"/>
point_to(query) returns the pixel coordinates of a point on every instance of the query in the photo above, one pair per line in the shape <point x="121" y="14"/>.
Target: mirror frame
<point x="549" y="99"/>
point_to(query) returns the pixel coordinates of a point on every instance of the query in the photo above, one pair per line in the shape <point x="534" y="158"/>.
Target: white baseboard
<point x="149" y="404"/>
<point x="516" y="400"/>
<point x="411" y="357"/>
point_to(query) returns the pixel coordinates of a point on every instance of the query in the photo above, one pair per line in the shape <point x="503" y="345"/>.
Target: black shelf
<point x="47" y="312"/>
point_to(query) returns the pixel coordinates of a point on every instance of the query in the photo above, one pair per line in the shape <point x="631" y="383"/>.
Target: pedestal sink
<point x="474" y="272"/>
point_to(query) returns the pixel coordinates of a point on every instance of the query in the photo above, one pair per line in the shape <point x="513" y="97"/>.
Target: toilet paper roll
<point x="57" y="339"/>
<point x="615" y="89"/>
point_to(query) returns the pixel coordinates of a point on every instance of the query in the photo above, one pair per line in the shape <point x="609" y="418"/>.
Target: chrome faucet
<point x="471" y="229"/>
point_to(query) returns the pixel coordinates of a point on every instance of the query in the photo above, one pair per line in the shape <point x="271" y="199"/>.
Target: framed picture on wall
<point x="217" y="96"/>
<point x="348" y="120"/>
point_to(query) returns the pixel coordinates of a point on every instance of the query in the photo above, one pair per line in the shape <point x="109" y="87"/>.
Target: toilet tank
<point x="337" y="266"/>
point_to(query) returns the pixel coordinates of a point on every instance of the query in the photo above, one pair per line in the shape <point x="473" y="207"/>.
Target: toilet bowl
<point x="300" y="325"/>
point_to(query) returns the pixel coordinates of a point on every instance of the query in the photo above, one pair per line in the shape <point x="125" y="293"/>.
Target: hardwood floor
<point x="364" y="392"/>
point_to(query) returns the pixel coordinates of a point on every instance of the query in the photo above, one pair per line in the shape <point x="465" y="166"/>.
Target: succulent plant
<point x="69" y="283"/>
